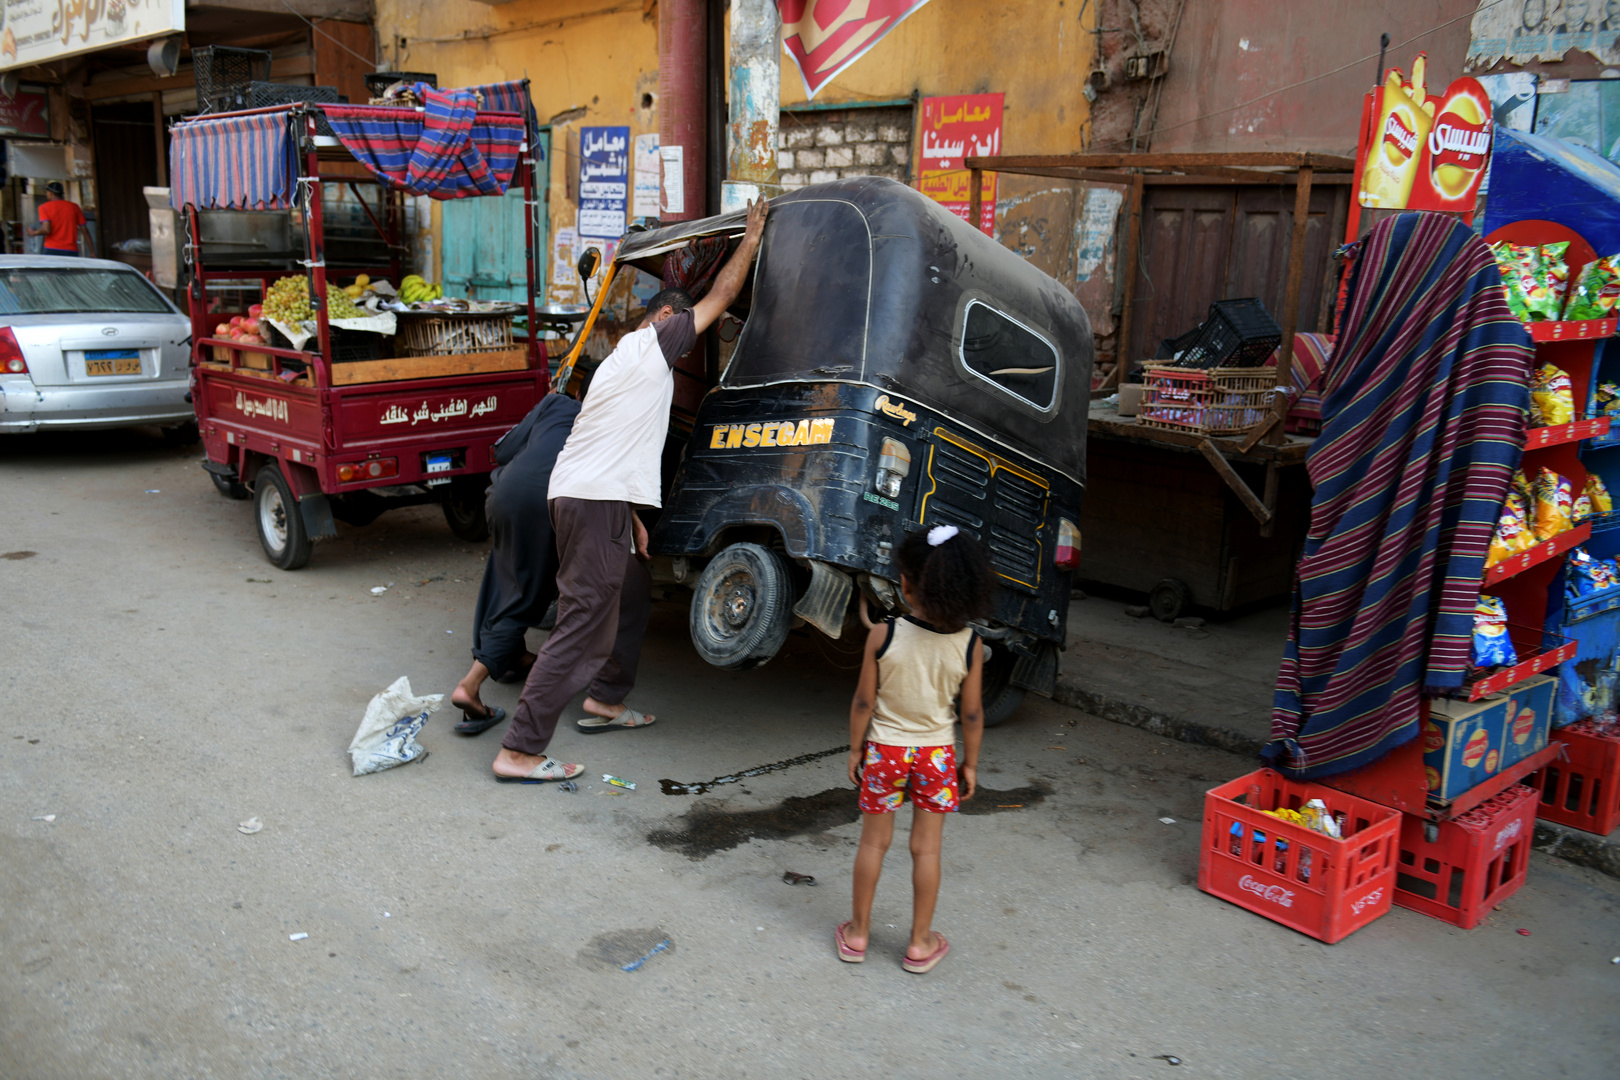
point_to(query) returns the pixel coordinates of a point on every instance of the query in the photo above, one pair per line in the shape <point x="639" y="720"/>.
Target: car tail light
<point x="1068" y="545"/>
<point x="352" y="472"/>
<point x="894" y="462"/>
<point x="11" y="357"/>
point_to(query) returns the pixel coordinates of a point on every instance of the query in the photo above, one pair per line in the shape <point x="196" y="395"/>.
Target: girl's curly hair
<point x="954" y="579"/>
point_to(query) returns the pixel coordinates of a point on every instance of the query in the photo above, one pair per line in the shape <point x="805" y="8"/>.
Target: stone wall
<point x="814" y="147"/>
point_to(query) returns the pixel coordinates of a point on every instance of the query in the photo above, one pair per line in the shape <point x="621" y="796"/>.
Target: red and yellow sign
<point x="955" y="128"/>
<point x="1423" y="152"/>
<point x="826" y="36"/>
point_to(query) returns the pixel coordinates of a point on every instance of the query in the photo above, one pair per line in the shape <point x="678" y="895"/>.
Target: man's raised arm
<point x="729" y="282"/>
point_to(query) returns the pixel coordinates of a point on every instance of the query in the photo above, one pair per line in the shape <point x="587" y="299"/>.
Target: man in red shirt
<point x="59" y="222"/>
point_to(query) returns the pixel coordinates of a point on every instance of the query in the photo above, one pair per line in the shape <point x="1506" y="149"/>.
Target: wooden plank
<point x="1235" y="482"/>
<point x="975" y="197"/>
<point x="1296" y="268"/>
<point x="427" y="367"/>
<point x="1250" y="159"/>
<point x="1133" y="243"/>
<point x="1291" y="452"/>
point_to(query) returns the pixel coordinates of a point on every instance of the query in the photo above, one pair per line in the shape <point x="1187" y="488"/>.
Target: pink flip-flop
<point x="926" y="964"/>
<point x="845" y="953"/>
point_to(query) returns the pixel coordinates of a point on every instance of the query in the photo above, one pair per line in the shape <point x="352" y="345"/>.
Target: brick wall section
<point x="814" y="147"/>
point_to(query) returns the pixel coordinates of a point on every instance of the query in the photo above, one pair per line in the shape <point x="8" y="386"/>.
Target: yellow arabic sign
<point x="38" y="31"/>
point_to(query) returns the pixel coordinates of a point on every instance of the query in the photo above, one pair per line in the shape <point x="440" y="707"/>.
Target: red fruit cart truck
<point x="349" y="423"/>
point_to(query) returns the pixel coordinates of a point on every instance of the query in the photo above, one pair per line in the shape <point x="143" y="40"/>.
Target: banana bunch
<point x="414" y="289"/>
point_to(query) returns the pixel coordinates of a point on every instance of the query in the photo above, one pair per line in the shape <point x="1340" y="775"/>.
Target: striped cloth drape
<point x="233" y="163"/>
<point x="1424" y="408"/>
<point x="447" y="151"/>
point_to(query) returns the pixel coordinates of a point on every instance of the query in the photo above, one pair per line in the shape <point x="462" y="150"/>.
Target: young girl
<point x="901" y="728"/>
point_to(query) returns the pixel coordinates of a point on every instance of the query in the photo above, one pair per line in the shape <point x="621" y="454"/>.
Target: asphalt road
<point x="161" y="683"/>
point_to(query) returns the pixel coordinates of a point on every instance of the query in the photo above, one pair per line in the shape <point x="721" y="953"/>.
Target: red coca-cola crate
<point x="1306" y="880"/>
<point x="1582" y="788"/>
<point x="1476" y="861"/>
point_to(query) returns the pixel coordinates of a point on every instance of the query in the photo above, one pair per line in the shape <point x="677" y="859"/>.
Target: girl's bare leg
<point x="877" y="831"/>
<point x="927" y="833"/>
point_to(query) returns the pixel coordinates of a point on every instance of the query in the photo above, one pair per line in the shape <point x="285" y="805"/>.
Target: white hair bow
<point x="941" y="533"/>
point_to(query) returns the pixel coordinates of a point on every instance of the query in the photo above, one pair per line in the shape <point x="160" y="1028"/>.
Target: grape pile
<point x="287" y="301"/>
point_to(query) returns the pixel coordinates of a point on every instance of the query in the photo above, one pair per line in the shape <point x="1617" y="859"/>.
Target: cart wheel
<point x="1168" y="599"/>
<point x="464" y="507"/>
<point x="742" y="607"/>
<point x="281" y="526"/>
<point x="1001" y="698"/>
<point x="230" y="488"/>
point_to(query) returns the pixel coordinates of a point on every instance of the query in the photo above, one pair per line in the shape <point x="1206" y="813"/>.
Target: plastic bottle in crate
<point x="1280" y="862"/>
<point x="1305" y="865"/>
<point x="1236" y="845"/>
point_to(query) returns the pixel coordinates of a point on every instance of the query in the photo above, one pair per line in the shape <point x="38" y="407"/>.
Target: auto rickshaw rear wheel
<point x="464" y="507"/>
<point x="742" y="607"/>
<point x="999" y="696"/>
<point x="1169" y="599"/>
<point x="281" y="527"/>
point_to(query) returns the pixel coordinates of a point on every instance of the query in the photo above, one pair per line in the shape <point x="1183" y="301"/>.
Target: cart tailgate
<point x="383" y="415"/>
<point x="260" y="406"/>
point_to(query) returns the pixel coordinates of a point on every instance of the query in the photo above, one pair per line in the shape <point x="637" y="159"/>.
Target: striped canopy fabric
<point x="233" y="163"/>
<point x="447" y="151"/>
<point x="1424" y="405"/>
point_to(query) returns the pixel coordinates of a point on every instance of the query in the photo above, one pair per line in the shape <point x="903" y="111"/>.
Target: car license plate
<point x="112" y="362"/>
<point x="438" y="463"/>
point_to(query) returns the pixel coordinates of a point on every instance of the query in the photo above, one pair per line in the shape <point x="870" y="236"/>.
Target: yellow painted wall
<point x="593" y="62"/>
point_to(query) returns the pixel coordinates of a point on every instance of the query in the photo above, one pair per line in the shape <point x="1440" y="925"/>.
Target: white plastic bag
<point x="387" y="736"/>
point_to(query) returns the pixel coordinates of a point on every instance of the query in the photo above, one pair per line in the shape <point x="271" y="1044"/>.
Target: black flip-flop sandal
<point x="477" y="725"/>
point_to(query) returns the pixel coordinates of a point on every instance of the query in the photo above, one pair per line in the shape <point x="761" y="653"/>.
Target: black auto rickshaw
<point x="896" y="369"/>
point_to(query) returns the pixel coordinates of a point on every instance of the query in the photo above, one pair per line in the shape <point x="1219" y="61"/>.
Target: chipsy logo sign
<point x="772" y="433"/>
<point x="1424" y="152"/>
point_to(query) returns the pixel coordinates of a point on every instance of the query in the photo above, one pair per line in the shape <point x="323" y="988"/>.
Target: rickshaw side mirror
<point x="588" y="262"/>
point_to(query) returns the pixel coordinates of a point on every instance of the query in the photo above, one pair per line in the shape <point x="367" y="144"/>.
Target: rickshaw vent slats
<point x="1014" y="555"/>
<point x="946" y="514"/>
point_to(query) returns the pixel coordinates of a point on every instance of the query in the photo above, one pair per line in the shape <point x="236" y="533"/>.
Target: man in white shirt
<point x="609" y="466"/>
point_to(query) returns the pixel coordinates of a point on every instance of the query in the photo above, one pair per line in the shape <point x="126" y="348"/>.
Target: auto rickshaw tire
<point x="1169" y="599"/>
<point x="230" y="487"/>
<point x="742" y="607"/>
<point x="276" y="517"/>
<point x="464" y="507"/>
<point x="999" y="696"/>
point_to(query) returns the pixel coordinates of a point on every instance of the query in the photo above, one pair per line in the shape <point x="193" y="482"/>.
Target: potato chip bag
<point x="1582" y="508"/>
<point x="1512" y="531"/>
<point x="1554" y="276"/>
<point x="1554" y="503"/>
<point x="1492" y="648"/>
<point x="1518" y="264"/>
<point x="1521" y="484"/>
<point x="1596" y="291"/>
<point x="1598" y="492"/>
<point x="1605" y="400"/>
<point x="1551" y="396"/>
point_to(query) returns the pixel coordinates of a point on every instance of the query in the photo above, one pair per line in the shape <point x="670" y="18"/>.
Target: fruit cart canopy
<point x="233" y="163"/>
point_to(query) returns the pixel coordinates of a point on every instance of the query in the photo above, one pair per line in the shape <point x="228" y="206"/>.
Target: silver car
<point x="88" y="343"/>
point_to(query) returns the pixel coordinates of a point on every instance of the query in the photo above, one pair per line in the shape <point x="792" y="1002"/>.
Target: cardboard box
<point x="1465" y="743"/>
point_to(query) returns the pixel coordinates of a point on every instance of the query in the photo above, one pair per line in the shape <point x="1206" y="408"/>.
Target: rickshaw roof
<point x="865" y="280"/>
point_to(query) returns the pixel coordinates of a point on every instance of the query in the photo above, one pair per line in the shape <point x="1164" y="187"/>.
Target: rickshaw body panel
<point x="876" y="309"/>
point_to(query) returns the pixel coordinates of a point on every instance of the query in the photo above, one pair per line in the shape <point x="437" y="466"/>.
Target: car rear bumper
<point x="27" y="407"/>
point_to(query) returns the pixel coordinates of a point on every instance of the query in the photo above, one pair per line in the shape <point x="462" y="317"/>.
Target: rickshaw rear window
<point x="1003" y="351"/>
<point x="37" y="290"/>
<point x="810" y="296"/>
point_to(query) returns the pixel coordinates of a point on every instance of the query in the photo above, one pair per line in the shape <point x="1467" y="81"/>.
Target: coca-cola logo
<point x="1511" y="832"/>
<point x="1358" y="906"/>
<point x="1455" y="141"/>
<point x="1397" y="133"/>
<point x="1274" y="893"/>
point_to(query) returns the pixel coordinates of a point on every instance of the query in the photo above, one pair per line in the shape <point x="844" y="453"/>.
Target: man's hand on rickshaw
<point x="729" y="282"/>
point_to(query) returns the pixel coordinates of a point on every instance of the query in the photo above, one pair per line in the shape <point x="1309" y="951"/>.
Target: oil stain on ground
<point x="710" y="827"/>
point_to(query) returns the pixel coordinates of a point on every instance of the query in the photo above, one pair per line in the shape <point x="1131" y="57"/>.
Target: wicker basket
<point x="441" y="335"/>
<point x="1220" y="401"/>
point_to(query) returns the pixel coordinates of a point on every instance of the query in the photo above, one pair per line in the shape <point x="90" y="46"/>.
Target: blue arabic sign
<point x="604" y="181"/>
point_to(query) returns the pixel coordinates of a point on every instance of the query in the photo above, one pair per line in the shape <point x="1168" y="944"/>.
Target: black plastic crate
<point x="1237" y="333"/>
<point x="224" y="76"/>
<point x="378" y="81"/>
<point x="263" y="94"/>
<point x="349" y="346"/>
<point x="1169" y="347"/>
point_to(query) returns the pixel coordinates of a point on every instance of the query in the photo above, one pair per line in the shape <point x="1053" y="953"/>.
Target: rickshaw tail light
<point x="11" y="357"/>
<point x="894" y="463"/>
<point x="1068" y="545"/>
<point x="354" y="472"/>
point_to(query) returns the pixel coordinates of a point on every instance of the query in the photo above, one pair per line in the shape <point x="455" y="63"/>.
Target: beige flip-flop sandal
<point x="548" y="770"/>
<point x="629" y="718"/>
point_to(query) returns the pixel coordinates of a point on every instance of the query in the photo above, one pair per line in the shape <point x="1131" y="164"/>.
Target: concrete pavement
<point x="162" y="683"/>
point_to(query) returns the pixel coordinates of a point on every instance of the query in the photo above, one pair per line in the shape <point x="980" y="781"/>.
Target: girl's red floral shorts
<point x="926" y="773"/>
